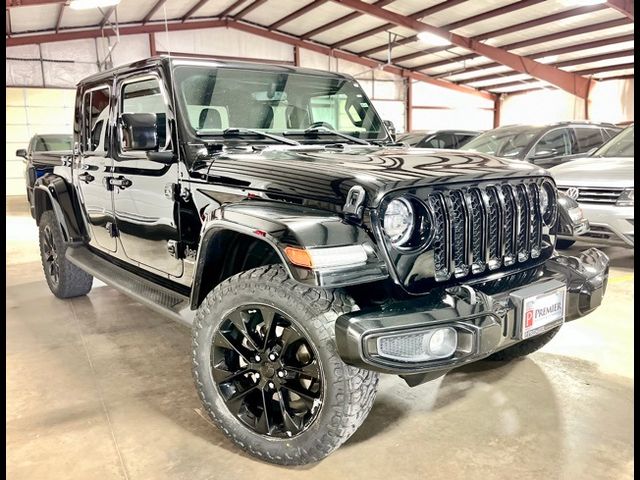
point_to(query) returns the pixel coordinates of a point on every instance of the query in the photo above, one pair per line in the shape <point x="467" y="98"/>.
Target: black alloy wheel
<point x="266" y="371"/>
<point x="50" y="256"/>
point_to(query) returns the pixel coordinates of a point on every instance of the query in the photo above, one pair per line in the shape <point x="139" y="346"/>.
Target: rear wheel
<point x="268" y="372"/>
<point x="65" y="280"/>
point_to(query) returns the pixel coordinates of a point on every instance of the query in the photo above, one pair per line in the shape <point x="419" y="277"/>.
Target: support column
<point x="409" y="105"/>
<point x="497" y="103"/>
<point x="152" y="45"/>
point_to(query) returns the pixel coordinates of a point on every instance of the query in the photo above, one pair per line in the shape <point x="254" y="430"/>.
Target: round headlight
<point x="544" y="200"/>
<point x="548" y="203"/>
<point x="398" y="221"/>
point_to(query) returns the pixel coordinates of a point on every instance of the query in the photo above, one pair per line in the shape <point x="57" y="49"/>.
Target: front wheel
<point x="267" y="369"/>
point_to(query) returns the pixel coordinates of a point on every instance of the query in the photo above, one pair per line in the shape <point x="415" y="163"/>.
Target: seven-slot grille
<point x="606" y="195"/>
<point x="485" y="227"/>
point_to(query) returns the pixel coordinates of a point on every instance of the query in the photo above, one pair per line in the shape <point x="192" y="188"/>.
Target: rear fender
<point x="53" y="192"/>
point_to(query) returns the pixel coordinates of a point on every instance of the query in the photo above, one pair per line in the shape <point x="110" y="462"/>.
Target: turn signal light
<point x="299" y="256"/>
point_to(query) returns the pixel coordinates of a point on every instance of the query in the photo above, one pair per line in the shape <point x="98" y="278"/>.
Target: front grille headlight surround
<point x="407" y="223"/>
<point x="626" y="198"/>
<point x="548" y="202"/>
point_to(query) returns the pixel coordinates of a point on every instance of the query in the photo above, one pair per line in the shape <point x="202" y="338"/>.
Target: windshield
<point x="53" y="143"/>
<point x="508" y="142"/>
<point x="215" y="99"/>
<point x="619" y="146"/>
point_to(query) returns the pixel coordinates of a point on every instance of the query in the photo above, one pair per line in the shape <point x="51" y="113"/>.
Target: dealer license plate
<point x="542" y="312"/>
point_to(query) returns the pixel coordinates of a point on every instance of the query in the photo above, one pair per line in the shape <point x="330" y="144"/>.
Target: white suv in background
<point x="602" y="184"/>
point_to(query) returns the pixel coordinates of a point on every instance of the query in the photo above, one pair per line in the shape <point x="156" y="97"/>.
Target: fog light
<point x="433" y="344"/>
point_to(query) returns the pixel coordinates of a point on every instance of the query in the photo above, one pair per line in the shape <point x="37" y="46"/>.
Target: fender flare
<point x="281" y="225"/>
<point x="53" y="192"/>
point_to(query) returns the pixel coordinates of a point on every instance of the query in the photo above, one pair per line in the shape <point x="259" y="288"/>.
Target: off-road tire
<point x="349" y="392"/>
<point x="72" y="281"/>
<point x="562" y="244"/>
<point x="525" y="347"/>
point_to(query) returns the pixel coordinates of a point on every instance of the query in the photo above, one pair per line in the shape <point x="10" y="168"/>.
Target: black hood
<point x="326" y="175"/>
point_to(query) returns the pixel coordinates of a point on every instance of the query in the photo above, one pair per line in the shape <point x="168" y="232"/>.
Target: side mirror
<point x="139" y="131"/>
<point x="21" y="152"/>
<point x="549" y="153"/>
<point x="391" y="127"/>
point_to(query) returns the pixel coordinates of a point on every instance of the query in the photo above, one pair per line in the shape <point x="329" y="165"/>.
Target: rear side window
<point x="462" y="139"/>
<point x="610" y="133"/>
<point x="95" y="113"/>
<point x="442" y="140"/>
<point x="588" y="138"/>
<point x="554" y="144"/>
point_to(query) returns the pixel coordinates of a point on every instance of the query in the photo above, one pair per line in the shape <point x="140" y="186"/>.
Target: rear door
<point x="145" y="210"/>
<point x="93" y="166"/>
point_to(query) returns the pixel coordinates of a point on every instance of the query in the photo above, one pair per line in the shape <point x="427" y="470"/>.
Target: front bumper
<point x="610" y="225"/>
<point x="485" y="316"/>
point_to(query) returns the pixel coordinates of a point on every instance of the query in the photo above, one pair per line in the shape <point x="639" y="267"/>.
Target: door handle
<point x="120" y="182"/>
<point x="86" y="177"/>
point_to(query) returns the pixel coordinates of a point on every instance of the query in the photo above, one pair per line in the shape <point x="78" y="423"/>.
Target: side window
<point x="145" y="96"/>
<point x="95" y="115"/>
<point x="462" y="139"/>
<point x="553" y="144"/>
<point x="609" y="133"/>
<point x="588" y="138"/>
<point x="442" y="140"/>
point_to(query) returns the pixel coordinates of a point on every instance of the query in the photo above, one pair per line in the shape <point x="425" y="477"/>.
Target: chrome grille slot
<point x="441" y="239"/>
<point x="605" y="195"/>
<point x="485" y="227"/>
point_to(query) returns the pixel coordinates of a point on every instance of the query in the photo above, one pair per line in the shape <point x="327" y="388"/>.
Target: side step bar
<point x="162" y="300"/>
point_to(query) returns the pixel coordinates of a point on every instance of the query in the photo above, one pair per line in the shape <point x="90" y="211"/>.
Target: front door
<point x="93" y="167"/>
<point x="146" y="213"/>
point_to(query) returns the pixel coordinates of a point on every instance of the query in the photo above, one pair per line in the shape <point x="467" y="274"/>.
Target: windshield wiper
<point x="316" y="130"/>
<point x="232" y="132"/>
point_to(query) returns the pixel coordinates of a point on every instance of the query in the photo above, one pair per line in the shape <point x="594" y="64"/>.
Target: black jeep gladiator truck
<point x="268" y="208"/>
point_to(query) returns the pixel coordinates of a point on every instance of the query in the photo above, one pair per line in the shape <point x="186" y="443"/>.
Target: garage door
<point x="31" y="111"/>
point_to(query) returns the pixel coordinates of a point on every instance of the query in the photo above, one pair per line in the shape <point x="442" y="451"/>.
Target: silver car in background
<point x="602" y="184"/>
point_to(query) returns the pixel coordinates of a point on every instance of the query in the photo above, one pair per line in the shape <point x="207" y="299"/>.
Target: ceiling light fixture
<point x="433" y="39"/>
<point x="88" y="4"/>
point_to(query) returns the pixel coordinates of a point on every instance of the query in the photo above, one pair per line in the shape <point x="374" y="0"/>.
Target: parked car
<point x="42" y="154"/>
<point x="438" y="138"/>
<point x="269" y="209"/>
<point x="544" y="146"/>
<point x="603" y="186"/>
<point x="571" y="221"/>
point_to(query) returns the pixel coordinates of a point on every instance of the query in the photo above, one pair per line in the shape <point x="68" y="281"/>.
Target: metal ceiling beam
<point x="59" y="19"/>
<point x="460" y="23"/>
<point x="533" y="41"/>
<point x="546" y="53"/>
<point x="64" y="35"/>
<point x="107" y="14"/>
<point x="193" y="10"/>
<point x="566" y="63"/>
<point x="425" y="12"/>
<point x="248" y="9"/>
<point x="352" y="57"/>
<point x="32" y="3"/>
<point x="586" y="71"/>
<point x="625" y="7"/>
<point x="570" y="82"/>
<point x="298" y="13"/>
<point x="231" y="8"/>
<point x="519" y="27"/>
<point x="153" y="10"/>
<point x="340" y="21"/>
